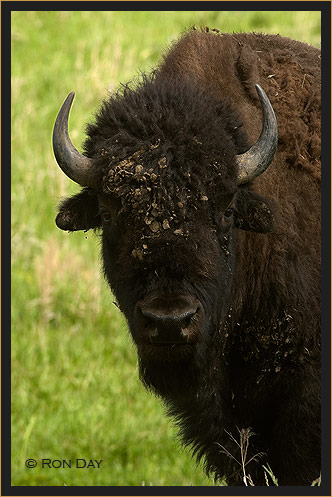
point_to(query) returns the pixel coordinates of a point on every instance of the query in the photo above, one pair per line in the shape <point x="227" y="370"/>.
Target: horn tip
<point x="70" y="97"/>
<point x="259" y="89"/>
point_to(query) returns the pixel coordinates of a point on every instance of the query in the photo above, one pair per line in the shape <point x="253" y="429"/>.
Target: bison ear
<point x="253" y="213"/>
<point x="80" y="212"/>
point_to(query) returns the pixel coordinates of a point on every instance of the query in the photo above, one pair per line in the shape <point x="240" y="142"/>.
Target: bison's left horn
<point x="75" y="165"/>
<point x="256" y="160"/>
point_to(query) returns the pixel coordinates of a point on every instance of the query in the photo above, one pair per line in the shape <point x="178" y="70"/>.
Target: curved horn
<point x="75" y="165"/>
<point x="254" y="162"/>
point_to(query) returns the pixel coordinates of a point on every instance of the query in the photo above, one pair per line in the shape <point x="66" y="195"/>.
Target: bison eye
<point x="105" y="215"/>
<point x="228" y="212"/>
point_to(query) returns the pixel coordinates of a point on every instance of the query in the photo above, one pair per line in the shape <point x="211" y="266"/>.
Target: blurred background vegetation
<point x="75" y="388"/>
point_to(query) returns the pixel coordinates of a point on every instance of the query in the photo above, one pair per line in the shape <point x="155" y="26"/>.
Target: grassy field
<point x="75" y="388"/>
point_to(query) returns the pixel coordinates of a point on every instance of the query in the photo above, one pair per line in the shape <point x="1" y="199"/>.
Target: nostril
<point x="151" y="316"/>
<point x="186" y="318"/>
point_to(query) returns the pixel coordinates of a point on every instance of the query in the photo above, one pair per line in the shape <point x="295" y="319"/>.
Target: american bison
<point x="204" y="177"/>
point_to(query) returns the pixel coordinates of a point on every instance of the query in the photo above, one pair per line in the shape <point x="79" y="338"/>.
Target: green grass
<point x="75" y="388"/>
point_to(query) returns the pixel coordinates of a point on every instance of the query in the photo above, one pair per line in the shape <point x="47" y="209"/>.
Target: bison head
<point x="166" y="175"/>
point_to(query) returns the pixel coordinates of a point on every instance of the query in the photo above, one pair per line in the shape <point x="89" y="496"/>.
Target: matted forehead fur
<point x="166" y="150"/>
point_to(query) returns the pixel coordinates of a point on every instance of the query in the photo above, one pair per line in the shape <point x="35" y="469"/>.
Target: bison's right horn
<point x="75" y="165"/>
<point x="257" y="159"/>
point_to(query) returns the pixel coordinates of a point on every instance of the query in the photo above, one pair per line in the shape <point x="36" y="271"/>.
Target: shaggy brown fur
<point x="289" y="72"/>
<point x="165" y="153"/>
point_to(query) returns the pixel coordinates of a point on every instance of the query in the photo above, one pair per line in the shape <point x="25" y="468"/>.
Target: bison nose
<point x="169" y="321"/>
<point x="172" y="320"/>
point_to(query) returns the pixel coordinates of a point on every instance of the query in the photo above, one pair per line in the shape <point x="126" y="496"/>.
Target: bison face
<point x="172" y="275"/>
<point x="171" y="283"/>
<point x="173" y="280"/>
<point x="166" y="173"/>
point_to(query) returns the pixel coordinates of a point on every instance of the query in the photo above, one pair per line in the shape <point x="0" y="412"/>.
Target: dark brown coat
<point x="170" y="241"/>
